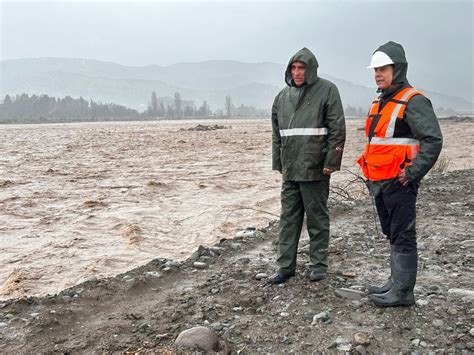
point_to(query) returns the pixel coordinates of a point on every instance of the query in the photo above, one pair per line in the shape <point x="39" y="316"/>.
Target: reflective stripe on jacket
<point x="389" y="148"/>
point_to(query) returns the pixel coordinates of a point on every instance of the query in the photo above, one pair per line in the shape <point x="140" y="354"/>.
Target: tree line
<point x="45" y="109"/>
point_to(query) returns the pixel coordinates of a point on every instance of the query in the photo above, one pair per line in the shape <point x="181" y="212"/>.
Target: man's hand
<point x="327" y="171"/>
<point x="402" y="178"/>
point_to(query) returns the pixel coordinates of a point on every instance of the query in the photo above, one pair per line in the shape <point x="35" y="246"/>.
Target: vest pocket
<point x="381" y="167"/>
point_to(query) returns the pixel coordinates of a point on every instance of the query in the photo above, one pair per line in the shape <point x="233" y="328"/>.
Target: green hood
<point x="396" y="52"/>
<point x="305" y="56"/>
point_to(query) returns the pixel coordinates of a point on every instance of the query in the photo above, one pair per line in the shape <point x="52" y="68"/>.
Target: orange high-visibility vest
<point x="390" y="150"/>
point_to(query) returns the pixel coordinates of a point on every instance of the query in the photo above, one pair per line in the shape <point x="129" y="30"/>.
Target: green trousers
<point x="296" y="199"/>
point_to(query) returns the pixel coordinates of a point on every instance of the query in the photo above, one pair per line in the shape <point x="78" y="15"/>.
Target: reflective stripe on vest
<point x="395" y="141"/>
<point x="304" y="132"/>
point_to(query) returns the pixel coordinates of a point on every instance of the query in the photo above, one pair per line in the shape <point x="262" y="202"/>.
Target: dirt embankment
<point x="145" y="309"/>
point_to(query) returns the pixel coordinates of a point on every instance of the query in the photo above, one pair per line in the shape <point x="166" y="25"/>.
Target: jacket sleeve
<point x="276" y="138"/>
<point x="424" y="125"/>
<point x="336" y="126"/>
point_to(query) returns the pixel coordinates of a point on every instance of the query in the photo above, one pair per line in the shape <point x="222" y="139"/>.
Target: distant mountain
<point x="251" y="84"/>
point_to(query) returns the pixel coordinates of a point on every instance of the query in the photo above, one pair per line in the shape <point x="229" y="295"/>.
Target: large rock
<point x="198" y="337"/>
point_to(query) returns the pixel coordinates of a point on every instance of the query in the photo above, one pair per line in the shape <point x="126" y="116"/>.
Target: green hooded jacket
<point x="308" y="126"/>
<point x="419" y="118"/>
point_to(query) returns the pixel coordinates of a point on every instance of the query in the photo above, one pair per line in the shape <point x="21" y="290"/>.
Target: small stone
<point x="347" y="293"/>
<point x="214" y="291"/>
<point x="360" y="349"/>
<point x="452" y="311"/>
<point x="34" y="315"/>
<point x="3" y="325"/>
<point x="217" y="250"/>
<point x="471" y="332"/>
<point x="246" y="233"/>
<point x="361" y="339"/>
<point x="284" y="314"/>
<point x="422" y="303"/>
<point x="416" y="342"/>
<point x="201" y="338"/>
<point x="199" y="265"/>
<point x="438" y="323"/>
<point x="261" y="276"/>
<point x="152" y="274"/>
<point x="237" y="309"/>
<point x="423" y="344"/>
<point x="173" y="263"/>
<point x="320" y="317"/>
<point x="217" y="326"/>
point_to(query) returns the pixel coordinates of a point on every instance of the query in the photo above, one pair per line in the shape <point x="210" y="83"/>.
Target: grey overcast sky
<point x="437" y="35"/>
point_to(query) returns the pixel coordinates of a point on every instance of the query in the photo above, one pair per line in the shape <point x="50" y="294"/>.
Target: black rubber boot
<point x="280" y="277"/>
<point x="404" y="268"/>
<point x="377" y="289"/>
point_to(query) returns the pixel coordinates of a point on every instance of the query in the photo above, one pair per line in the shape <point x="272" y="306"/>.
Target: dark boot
<point x="404" y="268"/>
<point x="280" y="277"/>
<point x="377" y="289"/>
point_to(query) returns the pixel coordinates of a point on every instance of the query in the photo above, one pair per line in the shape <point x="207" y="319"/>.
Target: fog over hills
<point x="250" y="84"/>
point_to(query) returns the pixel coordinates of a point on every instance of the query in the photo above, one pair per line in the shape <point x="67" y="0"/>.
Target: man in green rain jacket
<point x="307" y="143"/>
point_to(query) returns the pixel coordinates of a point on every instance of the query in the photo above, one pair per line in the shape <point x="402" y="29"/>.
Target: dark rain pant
<point x="396" y="207"/>
<point x="296" y="199"/>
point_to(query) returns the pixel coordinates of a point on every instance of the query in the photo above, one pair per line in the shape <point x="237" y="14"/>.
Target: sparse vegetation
<point x="441" y="166"/>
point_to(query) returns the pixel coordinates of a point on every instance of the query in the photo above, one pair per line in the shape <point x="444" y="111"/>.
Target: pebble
<point x="237" y="309"/>
<point x="423" y="344"/>
<point x="452" y="311"/>
<point x="422" y="303"/>
<point x="471" y="332"/>
<point x="361" y="339"/>
<point x="217" y="326"/>
<point x="199" y="265"/>
<point x="173" y="263"/>
<point x="246" y="233"/>
<point x="347" y="293"/>
<point x="261" y="276"/>
<point x="360" y="349"/>
<point x="3" y="325"/>
<point x="284" y="314"/>
<point x="217" y="250"/>
<point x="416" y="342"/>
<point x="438" y="323"/>
<point x="321" y="317"/>
<point x="152" y="274"/>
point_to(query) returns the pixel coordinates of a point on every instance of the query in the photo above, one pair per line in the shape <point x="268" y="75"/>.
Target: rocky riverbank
<point x="223" y="288"/>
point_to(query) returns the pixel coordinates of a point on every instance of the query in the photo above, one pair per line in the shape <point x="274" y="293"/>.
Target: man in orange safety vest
<point x="403" y="143"/>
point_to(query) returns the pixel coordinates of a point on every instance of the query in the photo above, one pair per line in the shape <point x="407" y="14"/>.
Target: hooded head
<point x="305" y="56"/>
<point x="391" y="53"/>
